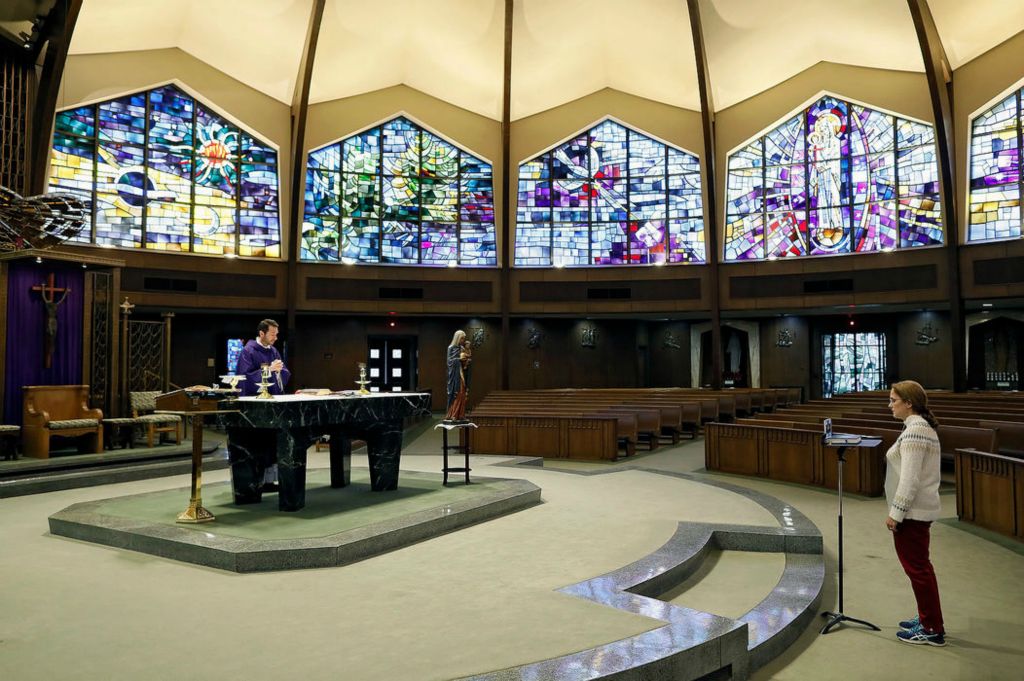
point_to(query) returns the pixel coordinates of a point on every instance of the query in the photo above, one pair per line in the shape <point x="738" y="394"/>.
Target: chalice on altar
<point x="264" y="384"/>
<point x="362" y="382"/>
<point x="232" y="380"/>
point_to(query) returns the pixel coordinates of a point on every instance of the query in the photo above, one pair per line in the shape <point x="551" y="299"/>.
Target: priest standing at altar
<point x="260" y="352"/>
<point x="254" y="356"/>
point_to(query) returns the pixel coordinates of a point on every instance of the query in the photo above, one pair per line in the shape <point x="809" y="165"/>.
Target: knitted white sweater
<point x="912" y="472"/>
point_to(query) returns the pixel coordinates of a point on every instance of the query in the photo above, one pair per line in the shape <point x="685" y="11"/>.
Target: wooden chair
<point x="143" y="406"/>
<point x="61" y="410"/>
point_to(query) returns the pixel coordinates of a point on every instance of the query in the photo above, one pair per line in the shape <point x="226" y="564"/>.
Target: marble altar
<point x="262" y="432"/>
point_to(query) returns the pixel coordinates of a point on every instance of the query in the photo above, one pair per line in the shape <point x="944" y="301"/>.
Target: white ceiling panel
<point x="562" y="49"/>
<point x="568" y="49"/>
<point x="754" y="45"/>
<point x="256" y="42"/>
<point x="969" y="29"/>
<point x="450" y="49"/>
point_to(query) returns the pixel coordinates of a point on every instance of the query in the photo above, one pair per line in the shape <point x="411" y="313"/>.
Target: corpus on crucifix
<point x="48" y="292"/>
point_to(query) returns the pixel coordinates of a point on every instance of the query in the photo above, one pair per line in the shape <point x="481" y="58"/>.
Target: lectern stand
<point x="835" y="618"/>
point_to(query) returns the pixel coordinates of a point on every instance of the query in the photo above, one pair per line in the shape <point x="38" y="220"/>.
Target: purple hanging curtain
<point x="26" y="326"/>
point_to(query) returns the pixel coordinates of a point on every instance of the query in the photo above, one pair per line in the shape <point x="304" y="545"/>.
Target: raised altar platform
<point x="336" y="527"/>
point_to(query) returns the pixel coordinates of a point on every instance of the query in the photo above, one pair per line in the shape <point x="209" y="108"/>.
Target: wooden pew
<point x="990" y="491"/>
<point x="558" y="435"/>
<point x="792" y="455"/>
<point x="59" y="410"/>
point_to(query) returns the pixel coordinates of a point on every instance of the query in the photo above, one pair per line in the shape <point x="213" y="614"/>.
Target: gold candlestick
<point x="362" y="382"/>
<point x="264" y="384"/>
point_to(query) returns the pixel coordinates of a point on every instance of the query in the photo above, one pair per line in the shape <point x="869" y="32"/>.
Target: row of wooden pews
<point x="598" y="423"/>
<point x="981" y="434"/>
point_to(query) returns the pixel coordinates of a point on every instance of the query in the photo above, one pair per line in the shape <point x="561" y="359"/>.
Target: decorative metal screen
<point x="102" y="322"/>
<point x="146" y="355"/>
<point x="852" y="362"/>
<point x="15" y="95"/>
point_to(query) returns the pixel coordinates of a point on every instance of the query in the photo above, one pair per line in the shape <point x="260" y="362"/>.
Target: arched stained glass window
<point x="398" y="194"/>
<point x="164" y="172"/>
<point x="996" y="165"/>
<point x="836" y="178"/>
<point x="610" y="196"/>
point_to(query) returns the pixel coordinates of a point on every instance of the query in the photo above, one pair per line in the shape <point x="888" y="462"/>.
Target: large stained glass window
<point x="610" y="196"/>
<point x="836" y="178"/>
<point x="996" y="172"/>
<point x="164" y="172"/>
<point x="398" y="194"/>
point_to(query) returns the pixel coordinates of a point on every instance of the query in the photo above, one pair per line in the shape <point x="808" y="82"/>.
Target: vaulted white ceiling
<point x="562" y="49"/>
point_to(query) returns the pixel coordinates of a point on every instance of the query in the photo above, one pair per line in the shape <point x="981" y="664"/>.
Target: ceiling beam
<point x="940" y="86"/>
<point x="300" y="111"/>
<point x="507" y="223"/>
<point x="60" y="26"/>
<point x="710" y="181"/>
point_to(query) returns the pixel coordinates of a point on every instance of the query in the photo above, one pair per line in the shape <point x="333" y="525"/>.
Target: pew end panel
<point x="990" y="491"/>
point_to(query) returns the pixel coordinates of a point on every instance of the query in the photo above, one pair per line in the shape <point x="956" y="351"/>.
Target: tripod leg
<point x="866" y="624"/>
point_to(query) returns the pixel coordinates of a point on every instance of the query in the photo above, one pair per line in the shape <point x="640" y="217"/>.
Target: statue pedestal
<point x="463" y="430"/>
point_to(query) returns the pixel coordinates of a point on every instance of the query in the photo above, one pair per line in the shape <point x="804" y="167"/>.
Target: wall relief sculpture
<point x="588" y="336"/>
<point x="477" y="335"/>
<point x="926" y="335"/>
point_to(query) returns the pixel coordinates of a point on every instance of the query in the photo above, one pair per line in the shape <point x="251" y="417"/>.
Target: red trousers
<point x="911" y="538"/>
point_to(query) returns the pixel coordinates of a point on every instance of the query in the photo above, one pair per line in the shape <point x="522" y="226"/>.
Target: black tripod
<point x="835" y="618"/>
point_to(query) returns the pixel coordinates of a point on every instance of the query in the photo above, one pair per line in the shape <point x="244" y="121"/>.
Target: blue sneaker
<point x="920" y="636"/>
<point x="909" y="625"/>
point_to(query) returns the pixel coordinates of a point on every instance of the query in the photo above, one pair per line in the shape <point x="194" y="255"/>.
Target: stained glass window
<point x="398" y="194"/>
<point x="610" y="196"/>
<point x="852" y="362"/>
<point x="836" y="178"/>
<point x="164" y="172"/>
<point x="996" y="163"/>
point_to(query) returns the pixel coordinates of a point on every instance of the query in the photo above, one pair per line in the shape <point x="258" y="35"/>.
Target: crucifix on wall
<point x="48" y="292"/>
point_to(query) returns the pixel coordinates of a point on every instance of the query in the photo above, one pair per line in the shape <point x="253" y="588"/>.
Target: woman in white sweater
<point x="912" y="490"/>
